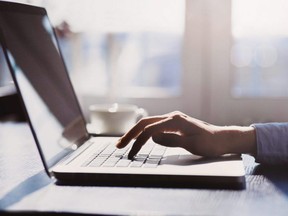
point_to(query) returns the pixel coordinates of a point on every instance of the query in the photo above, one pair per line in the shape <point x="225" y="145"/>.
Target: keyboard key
<point x="108" y="151"/>
<point x="157" y="152"/>
<point x="120" y="152"/>
<point x="97" y="162"/>
<point x="146" y="149"/>
<point x="111" y="162"/>
<point x="123" y="163"/>
<point x="152" y="162"/>
<point x="138" y="162"/>
<point x="92" y="157"/>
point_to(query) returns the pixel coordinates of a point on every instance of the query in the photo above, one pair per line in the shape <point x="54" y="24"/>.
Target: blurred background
<point x="224" y="61"/>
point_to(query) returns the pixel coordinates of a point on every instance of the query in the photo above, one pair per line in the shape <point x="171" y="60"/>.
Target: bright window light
<point x="121" y="16"/>
<point x="260" y="47"/>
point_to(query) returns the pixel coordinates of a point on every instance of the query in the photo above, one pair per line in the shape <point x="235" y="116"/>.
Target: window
<point x="127" y="49"/>
<point x="205" y="42"/>
<point x="244" y="61"/>
<point x="222" y="61"/>
<point x="260" y="48"/>
<point x="123" y="51"/>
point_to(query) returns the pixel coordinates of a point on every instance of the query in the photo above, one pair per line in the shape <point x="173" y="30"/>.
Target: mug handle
<point x="141" y="113"/>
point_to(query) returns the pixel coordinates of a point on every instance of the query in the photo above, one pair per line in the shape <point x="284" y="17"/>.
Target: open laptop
<point x="69" y="153"/>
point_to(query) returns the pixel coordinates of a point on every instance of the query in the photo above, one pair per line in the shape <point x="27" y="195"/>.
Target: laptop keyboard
<point x="109" y="156"/>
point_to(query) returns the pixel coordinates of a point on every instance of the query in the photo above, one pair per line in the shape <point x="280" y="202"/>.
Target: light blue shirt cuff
<point x="272" y="143"/>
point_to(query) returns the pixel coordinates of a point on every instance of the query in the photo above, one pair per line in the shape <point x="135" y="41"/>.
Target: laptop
<point x="69" y="153"/>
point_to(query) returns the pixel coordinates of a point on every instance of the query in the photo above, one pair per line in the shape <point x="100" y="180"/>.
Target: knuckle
<point x="143" y="121"/>
<point x="177" y="115"/>
<point x="147" y="130"/>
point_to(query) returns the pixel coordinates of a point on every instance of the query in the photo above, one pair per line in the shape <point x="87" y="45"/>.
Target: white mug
<point x="114" y="119"/>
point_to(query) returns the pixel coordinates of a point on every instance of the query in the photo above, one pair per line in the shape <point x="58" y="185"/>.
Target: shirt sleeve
<point x="272" y="143"/>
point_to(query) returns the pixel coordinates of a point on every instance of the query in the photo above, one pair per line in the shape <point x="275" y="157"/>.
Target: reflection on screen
<point x="42" y="79"/>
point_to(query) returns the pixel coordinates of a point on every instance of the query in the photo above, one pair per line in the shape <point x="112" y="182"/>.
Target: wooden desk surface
<point x="24" y="186"/>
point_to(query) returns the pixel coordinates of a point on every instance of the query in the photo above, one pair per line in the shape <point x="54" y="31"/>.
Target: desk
<point x="24" y="186"/>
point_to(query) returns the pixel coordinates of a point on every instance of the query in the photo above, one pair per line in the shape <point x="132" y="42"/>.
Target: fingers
<point x="136" y="130"/>
<point x="164" y="125"/>
<point x="169" y="130"/>
<point x="140" y="126"/>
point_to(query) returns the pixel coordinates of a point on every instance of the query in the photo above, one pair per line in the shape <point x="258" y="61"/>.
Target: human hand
<point x="177" y="129"/>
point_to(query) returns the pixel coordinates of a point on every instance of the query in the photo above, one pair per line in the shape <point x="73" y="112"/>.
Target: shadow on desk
<point x="28" y="186"/>
<point x="278" y="175"/>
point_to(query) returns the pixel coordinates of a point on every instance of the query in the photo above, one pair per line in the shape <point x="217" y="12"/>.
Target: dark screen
<point x="38" y="69"/>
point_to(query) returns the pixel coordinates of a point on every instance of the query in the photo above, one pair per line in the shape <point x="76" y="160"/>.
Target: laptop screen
<point x="36" y="64"/>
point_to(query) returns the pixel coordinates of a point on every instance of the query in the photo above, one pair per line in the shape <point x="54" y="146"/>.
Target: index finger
<point x="165" y="125"/>
<point x="136" y="130"/>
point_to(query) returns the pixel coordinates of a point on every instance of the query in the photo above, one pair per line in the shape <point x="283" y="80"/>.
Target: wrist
<point x="240" y="139"/>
